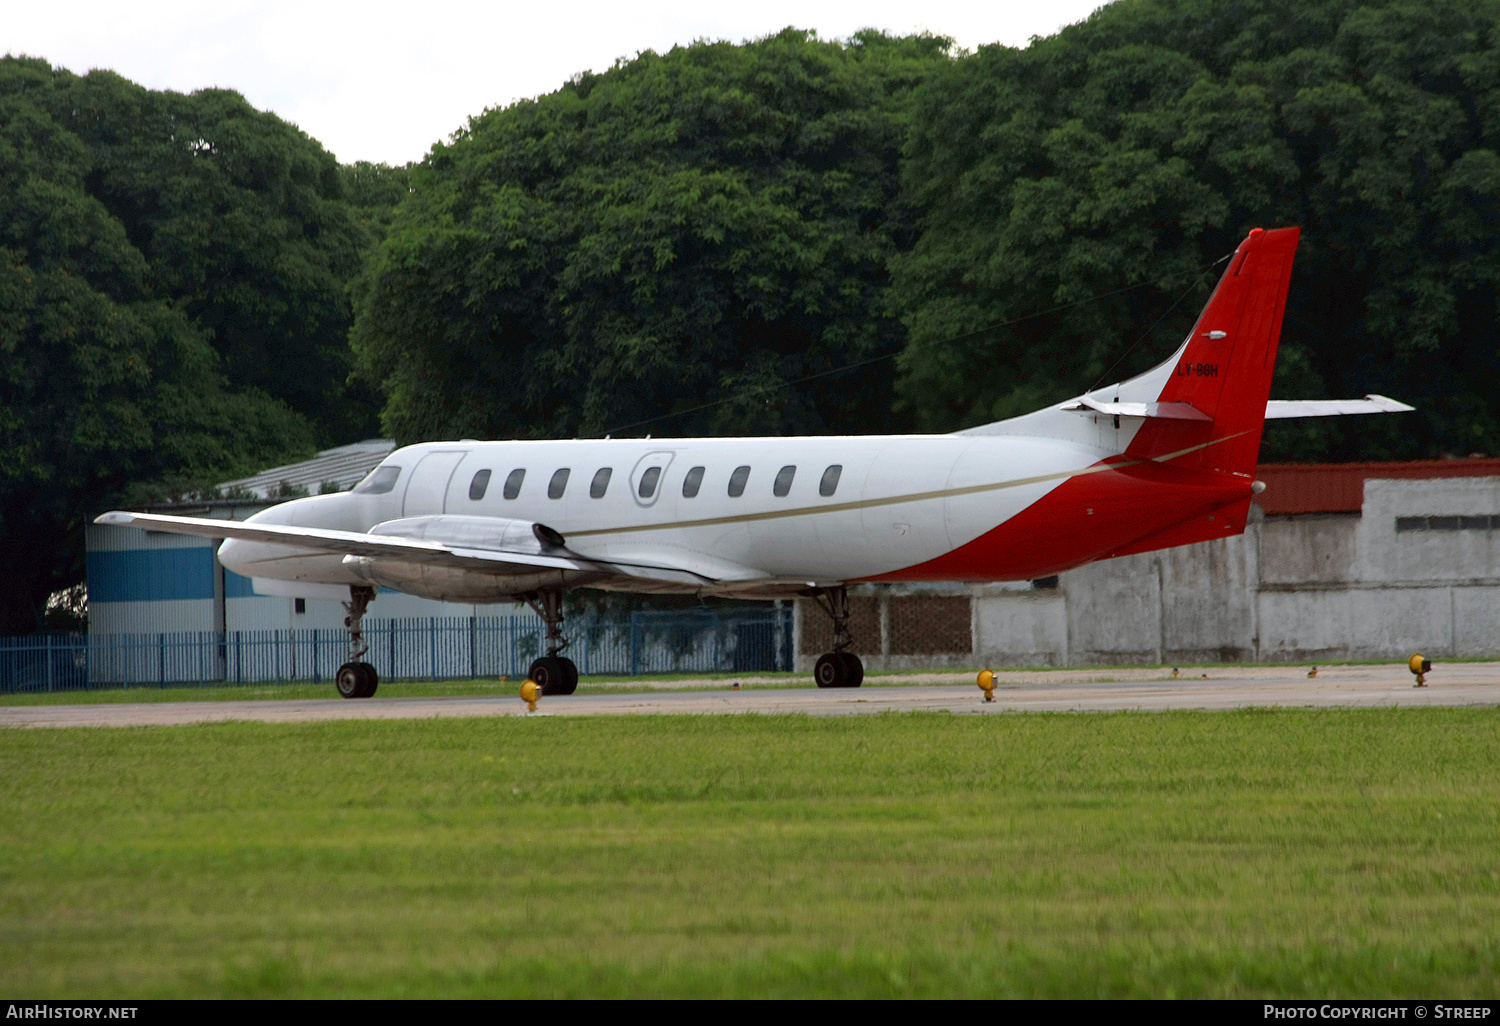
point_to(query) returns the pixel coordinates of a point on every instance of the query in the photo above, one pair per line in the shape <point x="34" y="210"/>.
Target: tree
<point x="106" y="379"/>
<point x="1140" y="145"/>
<point x="240" y="217"/>
<point x="713" y="222"/>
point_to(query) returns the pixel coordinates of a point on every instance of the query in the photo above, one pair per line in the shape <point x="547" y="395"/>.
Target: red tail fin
<point x="1225" y="368"/>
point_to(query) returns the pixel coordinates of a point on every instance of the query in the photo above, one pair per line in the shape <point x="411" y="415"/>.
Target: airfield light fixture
<point x="529" y="694"/>
<point x="986" y="683"/>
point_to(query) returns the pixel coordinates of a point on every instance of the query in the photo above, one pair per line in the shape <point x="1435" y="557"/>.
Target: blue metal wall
<point x="152" y="575"/>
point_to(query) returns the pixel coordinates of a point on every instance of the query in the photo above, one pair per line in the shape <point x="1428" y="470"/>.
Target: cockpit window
<point x="379" y="481"/>
<point x="513" y="482"/>
<point x="478" y="485"/>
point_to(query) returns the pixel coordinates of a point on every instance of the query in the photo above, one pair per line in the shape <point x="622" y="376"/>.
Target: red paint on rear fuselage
<point x="1089" y="516"/>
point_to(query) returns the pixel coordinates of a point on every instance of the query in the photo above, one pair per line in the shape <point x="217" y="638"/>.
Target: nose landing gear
<point x="837" y="669"/>
<point x="356" y="678"/>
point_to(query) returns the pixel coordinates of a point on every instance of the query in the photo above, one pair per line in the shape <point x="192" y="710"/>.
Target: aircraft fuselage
<point x="797" y="510"/>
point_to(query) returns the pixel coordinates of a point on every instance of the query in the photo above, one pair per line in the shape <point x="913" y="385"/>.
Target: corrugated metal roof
<point x="1340" y="487"/>
<point x="343" y="466"/>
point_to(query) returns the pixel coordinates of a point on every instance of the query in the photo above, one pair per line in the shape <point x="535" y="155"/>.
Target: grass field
<point x="1255" y="853"/>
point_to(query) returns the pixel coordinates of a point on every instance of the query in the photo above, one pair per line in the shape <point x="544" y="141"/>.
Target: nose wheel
<point x="357" y="678"/>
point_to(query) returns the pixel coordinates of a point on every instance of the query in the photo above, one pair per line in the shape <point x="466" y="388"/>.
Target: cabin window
<point x="513" y="482"/>
<point x="558" y="483"/>
<point x="737" y="481"/>
<point x="478" y="485"/>
<point x="692" y="483"/>
<point x="600" y="482"/>
<point x="379" y="481"/>
<point x="830" y="482"/>
<point x="648" y="482"/>
<point x="783" y="482"/>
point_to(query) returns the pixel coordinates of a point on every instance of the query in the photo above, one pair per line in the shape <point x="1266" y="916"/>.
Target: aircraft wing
<point x="346" y="543"/>
<point x="673" y="568"/>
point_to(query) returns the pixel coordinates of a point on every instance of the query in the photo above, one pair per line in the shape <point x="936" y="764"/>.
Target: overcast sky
<point x="383" y="81"/>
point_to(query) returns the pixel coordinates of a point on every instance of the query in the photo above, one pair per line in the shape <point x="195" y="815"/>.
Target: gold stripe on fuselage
<point x="839" y="507"/>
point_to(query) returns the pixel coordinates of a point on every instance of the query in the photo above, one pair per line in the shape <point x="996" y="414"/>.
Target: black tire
<point x="570" y="676"/>
<point x="829" y="671"/>
<point x="550" y="675"/>
<point x="854" y="670"/>
<point x="372" y="680"/>
<point x="350" y="680"/>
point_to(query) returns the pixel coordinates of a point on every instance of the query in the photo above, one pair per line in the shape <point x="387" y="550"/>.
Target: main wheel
<point x="829" y="671"/>
<point x="570" y="676"/>
<point x="356" y="680"/>
<point x="854" y="670"/>
<point x="551" y="674"/>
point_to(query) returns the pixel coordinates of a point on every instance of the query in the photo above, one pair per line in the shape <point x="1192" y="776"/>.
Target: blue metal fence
<point x="428" y="648"/>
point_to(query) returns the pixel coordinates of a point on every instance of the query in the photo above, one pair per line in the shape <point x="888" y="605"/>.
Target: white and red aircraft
<point x="1166" y="458"/>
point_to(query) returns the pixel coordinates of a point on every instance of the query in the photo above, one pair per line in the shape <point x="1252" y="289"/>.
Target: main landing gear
<point x="837" y="669"/>
<point x="554" y="674"/>
<point x="356" y="678"/>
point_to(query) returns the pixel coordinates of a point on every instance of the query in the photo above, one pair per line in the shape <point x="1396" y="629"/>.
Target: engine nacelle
<point x="457" y="584"/>
<point x="500" y="534"/>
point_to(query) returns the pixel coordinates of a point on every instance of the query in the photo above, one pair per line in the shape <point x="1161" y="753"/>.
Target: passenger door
<point x="427" y="487"/>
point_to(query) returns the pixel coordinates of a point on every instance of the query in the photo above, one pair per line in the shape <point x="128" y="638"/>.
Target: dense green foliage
<point x="1275" y="853"/>
<point x="138" y="231"/>
<point x="1143" y="143"/>
<point x="236" y="219"/>
<point x="685" y="227"/>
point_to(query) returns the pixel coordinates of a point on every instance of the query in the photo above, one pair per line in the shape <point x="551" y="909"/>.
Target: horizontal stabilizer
<point x="1164" y="411"/>
<point x="1288" y="409"/>
<point x="1276" y="409"/>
